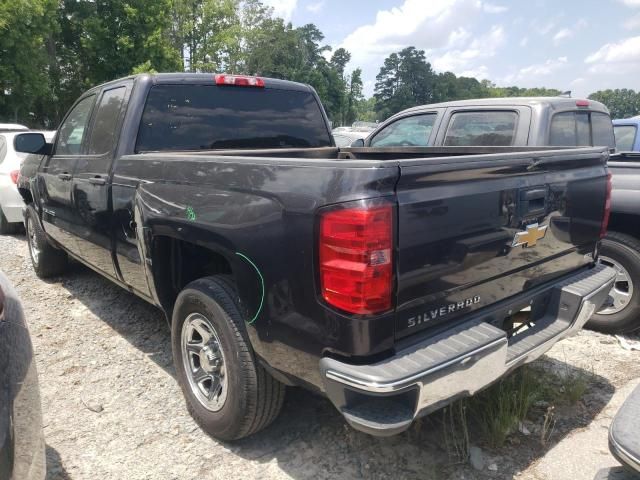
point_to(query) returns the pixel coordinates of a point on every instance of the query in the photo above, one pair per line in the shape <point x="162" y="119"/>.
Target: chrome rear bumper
<point x="385" y="397"/>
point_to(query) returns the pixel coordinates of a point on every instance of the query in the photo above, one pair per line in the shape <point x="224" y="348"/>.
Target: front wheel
<point x="227" y="391"/>
<point x="621" y="311"/>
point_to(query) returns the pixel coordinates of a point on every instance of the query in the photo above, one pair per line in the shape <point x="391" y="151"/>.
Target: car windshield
<point x="201" y="117"/>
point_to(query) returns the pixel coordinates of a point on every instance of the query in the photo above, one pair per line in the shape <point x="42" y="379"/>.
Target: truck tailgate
<point x="474" y="230"/>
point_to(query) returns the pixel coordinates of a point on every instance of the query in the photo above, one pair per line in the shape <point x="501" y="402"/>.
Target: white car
<point x="344" y="138"/>
<point x="12" y="127"/>
<point x="11" y="202"/>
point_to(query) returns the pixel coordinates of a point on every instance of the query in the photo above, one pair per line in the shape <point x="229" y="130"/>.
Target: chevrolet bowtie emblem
<point x="530" y="237"/>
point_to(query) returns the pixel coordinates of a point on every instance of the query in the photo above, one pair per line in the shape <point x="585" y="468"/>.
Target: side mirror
<point x="31" y="143"/>
<point x="358" y="143"/>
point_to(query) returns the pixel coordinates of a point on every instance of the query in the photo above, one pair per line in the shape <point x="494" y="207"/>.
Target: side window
<point x="103" y="132"/>
<point x="490" y="128"/>
<point x="409" y="131"/>
<point x="73" y="128"/>
<point x="625" y="137"/>
<point x="3" y="148"/>
<point x="602" y="129"/>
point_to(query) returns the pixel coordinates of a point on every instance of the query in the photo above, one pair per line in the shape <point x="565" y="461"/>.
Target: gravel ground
<point x="113" y="410"/>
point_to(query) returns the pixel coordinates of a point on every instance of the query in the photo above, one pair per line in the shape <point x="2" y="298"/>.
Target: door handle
<point x="97" y="181"/>
<point x="64" y="176"/>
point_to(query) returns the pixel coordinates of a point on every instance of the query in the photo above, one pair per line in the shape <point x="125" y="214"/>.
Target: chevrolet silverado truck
<point x="391" y="280"/>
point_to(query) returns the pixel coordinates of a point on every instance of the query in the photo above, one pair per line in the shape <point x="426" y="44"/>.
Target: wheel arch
<point x="626" y="223"/>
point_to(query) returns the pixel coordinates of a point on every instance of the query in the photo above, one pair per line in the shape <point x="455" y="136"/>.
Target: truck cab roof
<point x="197" y="78"/>
<point x="628" y="121"/>
<point x="555" y="103"/>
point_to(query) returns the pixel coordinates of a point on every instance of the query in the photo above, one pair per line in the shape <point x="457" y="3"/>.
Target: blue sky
<point x="581" y="46"/>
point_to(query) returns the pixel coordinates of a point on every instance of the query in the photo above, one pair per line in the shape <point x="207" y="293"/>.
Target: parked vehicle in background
<point x="12" y="127"/>
<point x="392" y="280"/>
<point x="547" y="121"/>
<point x="359" y="125"/>
<point x="626" y="132"/>
<point x="11" y="203"/>
<point x="624" y="441"/>
<point x="620" y="249"/>
<point x="22" y="447"/>
<point x="345" y="137"/>
<point x="532" y="121"/>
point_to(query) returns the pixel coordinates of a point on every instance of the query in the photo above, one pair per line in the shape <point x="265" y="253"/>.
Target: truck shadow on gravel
<point x="310" y="439"/>
<point x="55" y="469"/>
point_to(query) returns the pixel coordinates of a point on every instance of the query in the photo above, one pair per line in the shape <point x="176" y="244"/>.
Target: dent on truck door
<point x="91" y="182"/>
<point x="56" y="174"/>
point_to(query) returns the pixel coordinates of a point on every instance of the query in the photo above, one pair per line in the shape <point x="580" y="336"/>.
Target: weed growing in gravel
<point x="496" y="412"/>
<point x="499" y="409"/>
<point x="456" y="430"/>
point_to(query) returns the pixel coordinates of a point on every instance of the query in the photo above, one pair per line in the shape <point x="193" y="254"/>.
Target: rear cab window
<point x="207" y="117"/>
<point x="581" y="129"/>
<point x="481" y="128"/>
<point x="625" y="137"/>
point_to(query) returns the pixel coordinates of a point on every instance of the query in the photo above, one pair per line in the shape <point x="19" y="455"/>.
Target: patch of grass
<point x="574" y="387"/>
<point x="496" y="412"/>
<point x="499" y="409"/>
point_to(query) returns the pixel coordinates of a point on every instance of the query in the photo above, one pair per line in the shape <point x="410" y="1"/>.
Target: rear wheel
<point x="47" y="260"/>
<point x="621" y="311"/>
<point x="227" y="391"/>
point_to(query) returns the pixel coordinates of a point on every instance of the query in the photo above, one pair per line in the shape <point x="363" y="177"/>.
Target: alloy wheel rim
<point x="622" y="290"/>
<point x="204" y="362"/>
<point x="33" y="242"/>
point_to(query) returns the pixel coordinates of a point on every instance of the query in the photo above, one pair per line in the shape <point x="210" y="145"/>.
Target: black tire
<point x="6" y="228"/>
<point x="624" y="250"/>
<point x="253" y="398"/>
<point x="49" y="261"/>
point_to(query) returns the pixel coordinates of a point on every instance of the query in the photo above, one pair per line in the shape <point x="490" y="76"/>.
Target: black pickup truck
<point x="393" y="280"/>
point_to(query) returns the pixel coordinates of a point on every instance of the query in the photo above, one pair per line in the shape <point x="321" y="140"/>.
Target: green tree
<point x="339" y="60"/>
<point x="354" y="97"/>
<point x="206" y="32"/>
<point x="405" y="79"/>
<point x="25" y="26"/>
<point x="622" y="103"/>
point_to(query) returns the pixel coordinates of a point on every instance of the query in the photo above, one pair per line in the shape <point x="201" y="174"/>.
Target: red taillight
<point x="356" y="266"/>
<point x="582" y="103"/>
<point x="14" y="174"/>
<point x="239" y="80"/>
<point x="607" y="208"/>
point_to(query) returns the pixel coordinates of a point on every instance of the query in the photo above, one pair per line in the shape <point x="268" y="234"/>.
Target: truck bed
<point x="457" y="213"/>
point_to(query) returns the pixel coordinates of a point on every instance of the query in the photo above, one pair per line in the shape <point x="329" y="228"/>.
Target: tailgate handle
<point x="533" y="200"/>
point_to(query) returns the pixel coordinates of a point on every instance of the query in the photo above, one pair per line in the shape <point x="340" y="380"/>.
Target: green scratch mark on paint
<point x="191" y="215"/>
<point x="248" y="260"/>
